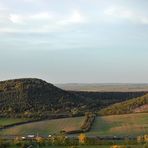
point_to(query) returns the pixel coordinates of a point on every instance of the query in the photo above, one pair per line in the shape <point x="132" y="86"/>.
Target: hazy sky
<point x="74" y="40"/>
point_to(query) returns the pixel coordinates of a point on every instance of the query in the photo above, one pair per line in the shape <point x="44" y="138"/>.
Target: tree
<point x="40" y="140"/>
<point x="82" y="138"/>
<point x="145" y="138"/>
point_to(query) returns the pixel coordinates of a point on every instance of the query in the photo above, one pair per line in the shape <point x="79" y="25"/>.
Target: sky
<point x="74" y="41"/>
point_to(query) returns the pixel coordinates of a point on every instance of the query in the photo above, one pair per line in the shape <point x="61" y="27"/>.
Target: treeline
<point x="35" y="98"/>
<point x="125" y="106"/>
<point x="86" y="125"/>
<point x="76" y="142"/>
<point x="88" y="122"/>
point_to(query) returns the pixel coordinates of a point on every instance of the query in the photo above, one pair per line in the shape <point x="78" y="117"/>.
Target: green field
<point x="9" y="121"/>
<point x="129" y="124"/>
<point x="45" y="127"/>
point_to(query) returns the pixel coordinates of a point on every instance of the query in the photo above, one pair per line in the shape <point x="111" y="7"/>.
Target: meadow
<point x="9" y="121"/>
<point x="45" y="127"/>
<point x="113" y="125"/>
<point x="120" y="125"/>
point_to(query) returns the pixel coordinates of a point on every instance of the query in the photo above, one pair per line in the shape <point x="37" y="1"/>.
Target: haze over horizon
<point x="74" y="41"/>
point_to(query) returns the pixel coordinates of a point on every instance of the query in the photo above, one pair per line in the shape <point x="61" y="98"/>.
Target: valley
<point x="32" y="108"/>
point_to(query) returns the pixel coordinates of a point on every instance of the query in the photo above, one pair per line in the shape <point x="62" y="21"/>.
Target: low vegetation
<point x="113" y="125"/>
<point x="9" y="121"/>
<point x="46" y="127"/>
<point x="120" y="125"/>
<point x="62" y="141"/>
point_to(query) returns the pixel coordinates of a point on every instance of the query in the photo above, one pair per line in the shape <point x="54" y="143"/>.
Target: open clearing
<point x="9" y="121"/>
<point x="45" y="127"/>
<point x="129" y="124"/>
<point x="119" y="125"/>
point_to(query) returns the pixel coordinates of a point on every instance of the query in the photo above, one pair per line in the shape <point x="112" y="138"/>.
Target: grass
<point x="86" y="146"/>
<point x="119" y="125"/>
<point x="45" y="127"/>
<point x="9" y="121"/>
<point x="129" y="124"/>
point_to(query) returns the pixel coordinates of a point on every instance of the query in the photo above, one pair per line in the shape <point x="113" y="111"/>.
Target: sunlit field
<point x="130" y="124"/>
<point x="46" y="127"/>
<point x="9" y="121"/>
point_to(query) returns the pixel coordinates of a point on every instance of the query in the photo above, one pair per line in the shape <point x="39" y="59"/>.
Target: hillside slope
<point x="120" y="125"/>
<point x="32" y="97"/>
<point x="36" y="98"/>
<point x="100" y="100"/>
<point x="125" y="107"/>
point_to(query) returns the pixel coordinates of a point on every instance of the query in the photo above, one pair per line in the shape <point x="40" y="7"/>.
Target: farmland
<point x="45" y="127"/>
<point x="113" y="125"/>
<point x="9" y="121"/>
<point x="120" y="125"/>
<point x="128" y="124"/>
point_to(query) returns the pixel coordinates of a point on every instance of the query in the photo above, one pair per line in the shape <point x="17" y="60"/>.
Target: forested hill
<point x="129" y="106"/>
<point x="34" y="97"/>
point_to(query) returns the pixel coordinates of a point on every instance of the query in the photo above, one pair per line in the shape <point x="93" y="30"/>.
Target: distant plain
<point x="104" y="87"/>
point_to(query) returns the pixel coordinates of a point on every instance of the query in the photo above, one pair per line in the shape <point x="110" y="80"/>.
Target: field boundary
<point x="86" y="125"/>
<point x="34" y="120"/>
